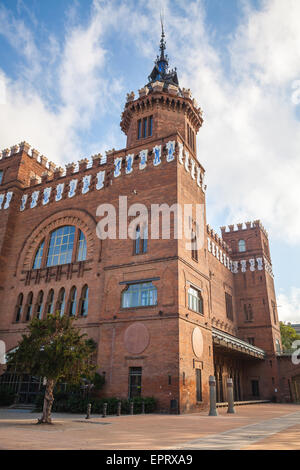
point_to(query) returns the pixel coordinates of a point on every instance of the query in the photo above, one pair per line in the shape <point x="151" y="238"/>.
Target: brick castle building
<point x="164" y="318"/>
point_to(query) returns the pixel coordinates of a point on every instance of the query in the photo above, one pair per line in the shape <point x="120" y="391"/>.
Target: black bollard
<point x="131" y="407"/>
<point x="212" y="396"/>
<point x="88" y="411"/>
<point x="104" y="410"/>
<point x="119" y="408"/>
<point x="230" y="409"/>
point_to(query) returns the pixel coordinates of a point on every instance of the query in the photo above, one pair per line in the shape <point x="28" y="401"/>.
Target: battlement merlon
<point x="241" y="227"/>
<point x="218" y="240"/>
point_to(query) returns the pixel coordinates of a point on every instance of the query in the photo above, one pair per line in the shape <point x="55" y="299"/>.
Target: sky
<point x="67" y="65"/>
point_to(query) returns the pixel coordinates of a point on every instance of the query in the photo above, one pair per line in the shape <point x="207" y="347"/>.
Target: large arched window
<point x="64" y="245"/>
<point x="72" y="302"/>
<point x="61" y="301"/>
<point x="84" y="301"/>
<point x="39" y="305"/>
<point x="19" y="305"/>
<point x="242" y="246"/>
<point x="39" y="255"/>
<point x="61" y="246"/>
<point x="29" y="306"/>
<point x="50" y="302"/>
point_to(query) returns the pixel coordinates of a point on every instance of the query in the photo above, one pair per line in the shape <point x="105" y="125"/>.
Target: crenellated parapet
<point x="96" y="173"/>
<point x="244" y="226"/>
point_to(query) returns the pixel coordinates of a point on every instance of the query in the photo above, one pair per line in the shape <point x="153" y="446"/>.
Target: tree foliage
<point x="288" y="335"/>
<point x="54" y="349"/>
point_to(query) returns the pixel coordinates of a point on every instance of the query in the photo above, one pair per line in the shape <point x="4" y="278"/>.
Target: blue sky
<point x="66" y="66"/>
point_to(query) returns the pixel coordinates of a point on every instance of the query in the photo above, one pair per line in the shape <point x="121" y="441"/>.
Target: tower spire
<point x="161" y="71"/>
<point x="162" y="41"/>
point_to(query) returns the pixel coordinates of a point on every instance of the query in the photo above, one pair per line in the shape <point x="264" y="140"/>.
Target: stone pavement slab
<point x="250" y="425"/>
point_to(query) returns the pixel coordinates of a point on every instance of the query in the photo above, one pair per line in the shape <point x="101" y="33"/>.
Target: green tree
<point x="288" y="335"/>
<point x="56" y="350"/>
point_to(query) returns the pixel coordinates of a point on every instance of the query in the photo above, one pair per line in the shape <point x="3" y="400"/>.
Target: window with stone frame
<point x="229" y="306"/>
<point x="195" y="300"/>
<point x="145" y="127"/>
<point x="248" y="312"/>
<point x="242" y="246"/>
<point x="274" y="311"/>
<point x="142" y="294"/>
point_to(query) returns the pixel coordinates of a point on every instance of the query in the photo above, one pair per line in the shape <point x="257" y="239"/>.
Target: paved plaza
<point x="264" y="427"/>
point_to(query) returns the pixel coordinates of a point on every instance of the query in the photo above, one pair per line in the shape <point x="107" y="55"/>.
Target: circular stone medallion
<point x="197" y="342"/>
<point x="136" y="338"/>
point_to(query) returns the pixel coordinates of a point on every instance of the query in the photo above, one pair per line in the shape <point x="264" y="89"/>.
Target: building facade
<point x="165" y="317"/>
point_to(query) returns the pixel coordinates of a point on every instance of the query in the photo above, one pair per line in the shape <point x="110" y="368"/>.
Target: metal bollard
<point x="131" y="407"/>
<point x="212" y="396"/>
<point x="119" y="408"/>
<point x="143" y="407"/>
<point x="104" y="410"/>
<point x="230" y="396"/>
<point x="88" y="411"/>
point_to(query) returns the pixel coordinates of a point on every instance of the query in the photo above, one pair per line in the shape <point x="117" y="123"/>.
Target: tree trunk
<point x="48" y="402"/>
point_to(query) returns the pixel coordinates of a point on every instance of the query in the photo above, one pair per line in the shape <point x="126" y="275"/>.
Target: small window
<point x="39" y="255"/>
<point x="84" y="301"/>
<point x="72" y="305"/>
<point x="150" y="129"/>
<point x="250" y="341"/>
<point x="274" y="311"/>
<point x="1" y="176"/>
<point x="229" y="309"/>
<point x="277" y="344"/>
<point x="194" y="246"/>
<point x="141" y="240"/>
<point x="248" y="312"/>
<point x="145" y="127"/>
<point x="135" y="382"/>
<point x="61" y="301"/>
<point x="195" y="300"/>
<point x="19" y="308"/>
<point x="82" y="248"/>
<point x="139" y="295"/>
<point x="242" y="246"/>
<point x="198" y="385"/>
<point x="50" y="302"/>
<point x="29" y="306"/>
<point x="39" y="305"/>
<point x="139" y="129"/>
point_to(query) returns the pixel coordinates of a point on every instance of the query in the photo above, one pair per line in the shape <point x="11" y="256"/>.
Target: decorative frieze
<point x="122" y="166"/>
<point x="34" y="199"/>
<point x="59" y="192"/>
<point x="46" y="196"/>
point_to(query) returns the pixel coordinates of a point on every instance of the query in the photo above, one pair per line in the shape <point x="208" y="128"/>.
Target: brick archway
<point x="81" y="219"/>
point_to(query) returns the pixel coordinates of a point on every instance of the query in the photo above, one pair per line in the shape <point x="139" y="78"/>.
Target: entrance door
<point x="255" y="388"/>
<point x="135" y="382"/>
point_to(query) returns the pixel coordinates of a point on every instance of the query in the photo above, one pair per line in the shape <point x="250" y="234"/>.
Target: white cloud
<point x="289" y="305"/>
